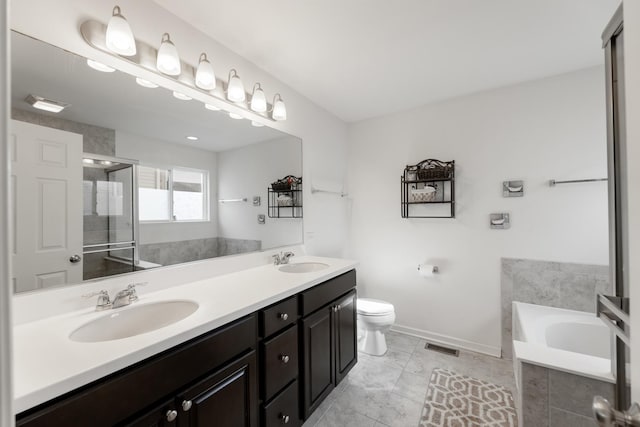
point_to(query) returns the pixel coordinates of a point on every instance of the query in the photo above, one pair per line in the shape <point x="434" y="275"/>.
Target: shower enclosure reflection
<point x="110" y="226"/>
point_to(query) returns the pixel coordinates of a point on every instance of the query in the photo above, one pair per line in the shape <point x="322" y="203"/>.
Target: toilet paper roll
<point x="427" y="270"/>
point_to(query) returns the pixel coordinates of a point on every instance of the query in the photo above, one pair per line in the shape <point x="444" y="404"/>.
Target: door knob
<point x="606" y="416"/>
<point x="172" y="414"/>
<point x="75" y="258"/>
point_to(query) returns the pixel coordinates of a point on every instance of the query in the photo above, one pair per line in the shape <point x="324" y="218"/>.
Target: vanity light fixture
<point x="192" y="138"/>
<point x="119" y="37"/>
<point x="258" y="99"/>
<point x="235" y="116"/>
<point x="146" y="83"/>
<point x="88" y="161"/>
<point x="205" y="77"/>
<point x="211" y="107"/>
<point x="256" y="124"/>
<point x="168" y="61"/>
<point x="181" y="96"/>
<point x="235" y="88"/>
<point x="45" y="104"/>
<point x="279" y="110"/>
<point x="99" y="66"/>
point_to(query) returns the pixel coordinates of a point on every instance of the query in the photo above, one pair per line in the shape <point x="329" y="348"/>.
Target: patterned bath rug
<point x="455" y="400"/>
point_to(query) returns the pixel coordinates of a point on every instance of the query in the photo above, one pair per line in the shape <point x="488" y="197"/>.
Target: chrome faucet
<point x="282" y="258"/>
<point x="122" y="298"/>
<point x="127" y="296"/>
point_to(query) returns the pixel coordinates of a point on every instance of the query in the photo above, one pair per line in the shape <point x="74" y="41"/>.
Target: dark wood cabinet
<point x="329" y="338"/>
<point x="271" y="368"/>
<point x="227" y="398"/>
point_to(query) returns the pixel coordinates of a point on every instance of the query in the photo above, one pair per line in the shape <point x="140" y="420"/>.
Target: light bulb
<point x="99" y="66"/>
<point x="235" y="88"/>
<point x="168" y="61"/>
<point x="146" y="83"/>
<point x="279" y="109"/>
<point x="119" y="37"/>
<point x="205" y="77"/>
<point x="258" y="99"/>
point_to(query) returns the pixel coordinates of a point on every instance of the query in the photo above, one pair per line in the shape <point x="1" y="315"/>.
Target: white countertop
<point x="48" y="364"/>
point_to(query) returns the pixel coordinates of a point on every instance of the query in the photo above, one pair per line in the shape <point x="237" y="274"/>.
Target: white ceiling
<point x="115" y="101"/>
<point x="365" y="58"/>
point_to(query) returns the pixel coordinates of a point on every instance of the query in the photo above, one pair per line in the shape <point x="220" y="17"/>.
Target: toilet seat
<point x="374" y="307"/>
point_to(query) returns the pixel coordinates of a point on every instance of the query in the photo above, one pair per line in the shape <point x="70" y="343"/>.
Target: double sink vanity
<point x="260" y="346"/>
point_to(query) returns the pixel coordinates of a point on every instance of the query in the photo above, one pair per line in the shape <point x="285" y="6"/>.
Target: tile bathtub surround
<point x="390" y="390"/>
<point x="554" y="284"/>
<point x="169" y="253"/>
<point x="96" y="139"/>
<point x="552" y="398"/>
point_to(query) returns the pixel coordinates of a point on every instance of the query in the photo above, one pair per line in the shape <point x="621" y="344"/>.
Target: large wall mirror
<point x="129" y="177"/>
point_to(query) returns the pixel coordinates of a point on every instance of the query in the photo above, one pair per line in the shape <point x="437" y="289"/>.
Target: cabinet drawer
<point x="278" y="316"/>
<point x="280" y="362"/>
<point x="283" y="410"/>
<point x="322" y="294"/>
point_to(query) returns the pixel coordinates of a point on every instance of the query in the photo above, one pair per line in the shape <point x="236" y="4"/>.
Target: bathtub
<point x="566" y="340"/>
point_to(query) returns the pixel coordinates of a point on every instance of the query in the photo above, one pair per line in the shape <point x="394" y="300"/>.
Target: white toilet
<point x="375" y="317"/>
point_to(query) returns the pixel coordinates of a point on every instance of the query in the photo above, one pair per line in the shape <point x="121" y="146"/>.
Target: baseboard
<point x="448" y="341"/>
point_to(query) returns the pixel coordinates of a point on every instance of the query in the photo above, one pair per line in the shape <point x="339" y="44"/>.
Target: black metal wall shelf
<point x="430" y="182"/>
<point x="285" y="198"/>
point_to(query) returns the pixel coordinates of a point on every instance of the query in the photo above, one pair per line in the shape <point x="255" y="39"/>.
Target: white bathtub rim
<point x="596" y="368"/>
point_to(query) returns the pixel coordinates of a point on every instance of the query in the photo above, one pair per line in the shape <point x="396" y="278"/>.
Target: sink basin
<point x="133" y="320"/>
<point x="303" y="267"/>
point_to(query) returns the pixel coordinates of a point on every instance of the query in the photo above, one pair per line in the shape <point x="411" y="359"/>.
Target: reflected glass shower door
<point x="110" y="219"/>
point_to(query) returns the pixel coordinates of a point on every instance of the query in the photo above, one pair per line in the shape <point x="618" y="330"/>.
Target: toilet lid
<point x="373" y="307"/>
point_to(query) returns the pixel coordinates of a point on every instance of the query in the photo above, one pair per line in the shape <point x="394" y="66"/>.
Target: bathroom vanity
<point x="271" y="362"/>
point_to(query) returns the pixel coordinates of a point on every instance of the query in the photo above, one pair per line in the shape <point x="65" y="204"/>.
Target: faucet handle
<point x="103" y="302"/>
<point x="133" y="295"/>
<point x="276" y="259"/>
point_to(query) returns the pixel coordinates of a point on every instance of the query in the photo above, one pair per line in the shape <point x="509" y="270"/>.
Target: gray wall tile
<point x="535" y="392"/>
<point x="560" y="418"/>
<point x="574" y="393"/>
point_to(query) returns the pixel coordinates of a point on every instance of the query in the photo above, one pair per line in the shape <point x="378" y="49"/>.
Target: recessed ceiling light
<point x="192" y="138"/>
<point x="146" y="83"/>
<point x="182" y="96"/>
<point x="256" y="124"/>
<point x="235" y="116"/>
<point x="211" y="107"/>
<point x="46" y="104"/>
<point x="99" y="66"/>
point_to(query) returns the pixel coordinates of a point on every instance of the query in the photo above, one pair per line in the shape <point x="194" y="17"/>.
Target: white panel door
<point x="46" y="187"/>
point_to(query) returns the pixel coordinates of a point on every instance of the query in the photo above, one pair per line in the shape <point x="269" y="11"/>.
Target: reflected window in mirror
<point x="176" y="194"/>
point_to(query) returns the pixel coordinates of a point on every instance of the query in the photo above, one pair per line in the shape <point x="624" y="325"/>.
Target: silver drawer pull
<point x="186" y="405"/>
<point x="284" y="418"/>
<point x="172" y="414"/>
<point x="283" y="316"/>
<point x="284" y="358"/>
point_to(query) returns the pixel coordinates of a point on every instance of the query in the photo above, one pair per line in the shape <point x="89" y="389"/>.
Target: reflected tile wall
<point x="169" y="253"/>
<point x="554" y="284"/>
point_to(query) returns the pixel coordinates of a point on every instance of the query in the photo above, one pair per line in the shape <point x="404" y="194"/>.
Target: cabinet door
<point x="164" y="415"/>
<point x="318" y="356"/>
<point x="226" y="398"/>
<point x="346" y="335"/>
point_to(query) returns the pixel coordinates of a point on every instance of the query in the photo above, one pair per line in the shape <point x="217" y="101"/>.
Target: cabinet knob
<point x="284" y="418"/>
<point x="283" y="316"/>
<point x="186" y="405"/>
<point x="172" y="414"/>
<point x="284" y="358"/>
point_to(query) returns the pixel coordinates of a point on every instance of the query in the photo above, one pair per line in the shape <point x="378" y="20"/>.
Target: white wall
<point x="323" y="135"/>
<point x="162" y="154"/>
<point x="632" y="82"/>
<point x="551" y="128"/>
<point x="6" y="390"/>
<point x="239" y="178"/>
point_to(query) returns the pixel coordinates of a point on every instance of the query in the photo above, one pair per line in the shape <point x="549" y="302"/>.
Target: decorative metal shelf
<point x="430" y="182"/>
<point x="285" y="198"/>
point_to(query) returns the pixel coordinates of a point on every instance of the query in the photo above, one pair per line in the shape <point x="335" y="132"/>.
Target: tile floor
<point x="390" y="390"/>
